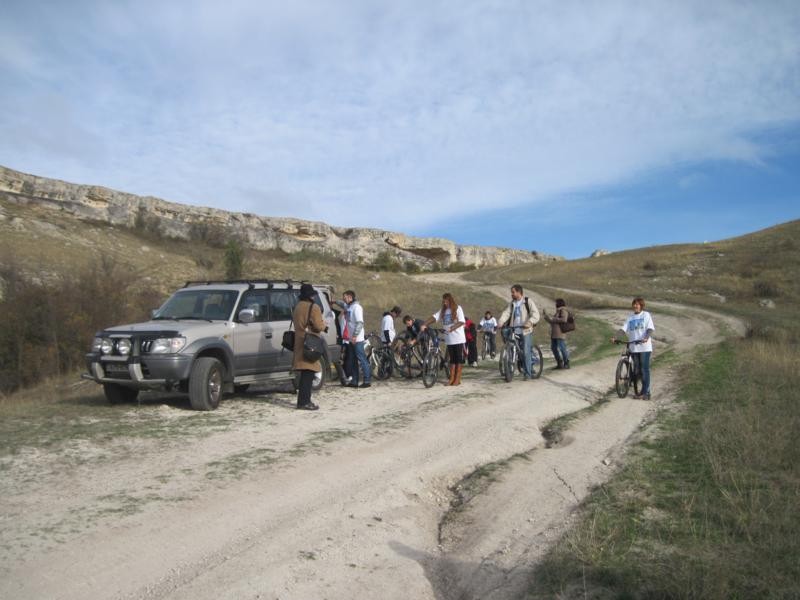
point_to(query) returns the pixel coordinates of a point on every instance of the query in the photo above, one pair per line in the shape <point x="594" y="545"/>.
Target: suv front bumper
<point x="151" y="372"/>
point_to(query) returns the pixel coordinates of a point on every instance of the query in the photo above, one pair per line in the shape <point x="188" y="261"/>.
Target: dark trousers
<point x="472" y="351"/>
<point x="304" y="387"/>
<point x="347" y="366"/>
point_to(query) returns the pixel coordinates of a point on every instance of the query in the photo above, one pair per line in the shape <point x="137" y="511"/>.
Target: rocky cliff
<point x="168" y="219"/>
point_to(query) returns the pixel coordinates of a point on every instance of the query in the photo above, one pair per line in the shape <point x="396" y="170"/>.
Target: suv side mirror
<point x="153" y="313"/>
<point x="247" y="315"/>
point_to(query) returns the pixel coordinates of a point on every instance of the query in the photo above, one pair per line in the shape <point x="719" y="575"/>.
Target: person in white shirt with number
<point x="639" y="327"/>
<point x="488" y="326"/>
<point x="452" y="317"/>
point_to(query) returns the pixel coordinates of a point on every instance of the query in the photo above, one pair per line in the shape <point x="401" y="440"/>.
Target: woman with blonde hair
<point x="452" y="317"/>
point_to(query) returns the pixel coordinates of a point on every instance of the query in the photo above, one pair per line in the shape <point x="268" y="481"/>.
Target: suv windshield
<point x="199" y="304"/>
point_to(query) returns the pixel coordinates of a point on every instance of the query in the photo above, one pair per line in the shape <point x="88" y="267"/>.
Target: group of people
<point x="520" y="316"/>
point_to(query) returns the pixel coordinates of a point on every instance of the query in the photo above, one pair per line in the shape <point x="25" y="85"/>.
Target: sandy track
<point x="347" y="502"/>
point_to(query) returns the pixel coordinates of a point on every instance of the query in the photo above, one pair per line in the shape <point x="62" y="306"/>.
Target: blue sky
<point x="556" y="126"/>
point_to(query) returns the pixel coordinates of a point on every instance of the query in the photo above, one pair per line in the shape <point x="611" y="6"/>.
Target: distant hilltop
<point x="184" y="222"/>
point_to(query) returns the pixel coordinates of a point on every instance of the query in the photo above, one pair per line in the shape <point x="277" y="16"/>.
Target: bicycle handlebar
<point x="616" y="341"/>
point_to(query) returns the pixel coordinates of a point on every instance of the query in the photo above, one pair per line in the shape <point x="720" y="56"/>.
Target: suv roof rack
<point x="251" y="282"/>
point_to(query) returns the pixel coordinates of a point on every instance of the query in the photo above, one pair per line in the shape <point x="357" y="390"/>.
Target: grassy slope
<point x="705" y="508"/>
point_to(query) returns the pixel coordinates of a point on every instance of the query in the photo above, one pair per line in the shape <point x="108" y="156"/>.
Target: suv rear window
<point x="281" y="304"/>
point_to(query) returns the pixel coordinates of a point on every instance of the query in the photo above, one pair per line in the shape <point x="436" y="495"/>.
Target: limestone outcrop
<point x="178" y="221"/>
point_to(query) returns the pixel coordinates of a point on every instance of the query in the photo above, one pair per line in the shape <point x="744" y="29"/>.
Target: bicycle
<point x="627" y="371"/>
<point x="434" y="359"/>
<point x="487" y="335"/>
<point x="381" y="357"/>
<point x="408" y="358"/>
<point x="512" y="356"/>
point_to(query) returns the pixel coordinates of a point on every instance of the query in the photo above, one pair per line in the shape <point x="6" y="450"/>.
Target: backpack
<point x="570" y="324"/>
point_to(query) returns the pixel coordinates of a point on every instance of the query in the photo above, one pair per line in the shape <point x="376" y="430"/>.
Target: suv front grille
<point x="146" y="345"/>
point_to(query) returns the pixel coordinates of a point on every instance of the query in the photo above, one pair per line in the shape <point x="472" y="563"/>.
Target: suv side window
<point x="257" y="300"/>
<point x="281" y="304"/>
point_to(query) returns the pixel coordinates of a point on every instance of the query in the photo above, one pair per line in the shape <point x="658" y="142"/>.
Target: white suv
<point x="208" y="338"/>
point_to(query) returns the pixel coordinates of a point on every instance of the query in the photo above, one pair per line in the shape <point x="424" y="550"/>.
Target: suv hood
<point x="172" y="327"/>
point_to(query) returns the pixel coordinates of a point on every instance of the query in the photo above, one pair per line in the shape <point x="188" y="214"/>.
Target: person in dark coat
<point x="307" y="317"/>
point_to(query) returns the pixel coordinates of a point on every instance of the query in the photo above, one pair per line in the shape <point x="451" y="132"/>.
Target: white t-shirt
<point x="636" y="327"/>
<point x="489" y="324"/>
<point x="451" y="338"/>
<point x="355" y="315"/>
<point x="387" y="323"/>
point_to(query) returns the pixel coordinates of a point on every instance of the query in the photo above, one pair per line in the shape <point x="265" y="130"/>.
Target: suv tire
<point x="119" y="394"/>
<point x="206" y="383"/>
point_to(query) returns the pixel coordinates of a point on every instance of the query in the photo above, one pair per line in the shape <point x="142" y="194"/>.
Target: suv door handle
<point x="268" y="335"/>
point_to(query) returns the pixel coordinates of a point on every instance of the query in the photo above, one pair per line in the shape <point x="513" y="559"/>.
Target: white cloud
<point x="360" y="114"/>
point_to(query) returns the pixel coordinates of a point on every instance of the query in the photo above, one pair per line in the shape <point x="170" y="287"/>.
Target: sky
<point x="562" y="127"/>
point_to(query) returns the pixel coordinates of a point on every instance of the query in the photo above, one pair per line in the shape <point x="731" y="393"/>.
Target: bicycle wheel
<point x="622" y="381"/>
<point x="384" y="368"/>
<point x="501" y="363"/>
<point x="510" y="363"/>
<point x="536" y="362"/>
<point x="636" y="380"/>
<point x="430" y="369"/>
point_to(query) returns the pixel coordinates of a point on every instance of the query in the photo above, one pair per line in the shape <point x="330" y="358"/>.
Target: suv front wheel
<point x="206" y="383"/>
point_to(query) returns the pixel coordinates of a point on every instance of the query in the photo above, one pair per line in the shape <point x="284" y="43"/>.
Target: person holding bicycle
<point x="452" y="317"/>
<point x="413" y="329"/>
<point x="522" y="316"/>
<point x="488" y="326"/>
<point x="639" y="328"/>
<point x="558" y="339"/>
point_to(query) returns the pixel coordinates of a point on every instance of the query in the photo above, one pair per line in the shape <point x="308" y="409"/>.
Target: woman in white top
<point x="452" y="317"/>
<point x="639" y="327"/>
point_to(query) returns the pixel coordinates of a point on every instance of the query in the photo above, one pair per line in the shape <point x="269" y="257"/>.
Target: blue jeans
<point x="642" y="361"/>
<point x="559" y="348"/>
<point x="357" y="355"/>
<point x="527" y="348"/>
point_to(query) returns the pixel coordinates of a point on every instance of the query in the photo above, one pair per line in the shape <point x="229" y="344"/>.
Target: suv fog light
<point x="106" y="346"/>
<point x="124" y="346"/>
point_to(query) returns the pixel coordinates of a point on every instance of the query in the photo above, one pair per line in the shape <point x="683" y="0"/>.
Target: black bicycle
<point x="627" y="372"/>
<point x="512" y="356"/>
<point x="485" y="351"/>
<point x="408" y="358"/>
<point x="434" y="359"/>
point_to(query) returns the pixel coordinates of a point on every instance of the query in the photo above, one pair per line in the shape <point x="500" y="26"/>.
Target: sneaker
<point x="309" y="406"/>
<point x="366" y="384"/>
<point x="645" y="396"/>
<point x="637" y="396"/>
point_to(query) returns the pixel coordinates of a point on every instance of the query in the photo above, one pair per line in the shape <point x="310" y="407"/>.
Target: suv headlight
<point x="124" y="346"/>
<point x="106" y="346"/>
<point x="167" y="345"/>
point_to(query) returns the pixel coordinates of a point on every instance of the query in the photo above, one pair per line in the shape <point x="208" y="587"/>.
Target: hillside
<point x="168" y="220"/>
<point x="754" y="274"/>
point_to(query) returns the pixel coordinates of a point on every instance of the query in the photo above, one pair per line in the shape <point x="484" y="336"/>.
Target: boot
<point x="452" y="375"/>
<point x="457" y="378"/>
<point x="560" y="364"/>
<point x="566" y="364"/>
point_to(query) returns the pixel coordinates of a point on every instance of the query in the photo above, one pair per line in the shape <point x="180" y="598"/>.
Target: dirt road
<point x="257" y="500"/>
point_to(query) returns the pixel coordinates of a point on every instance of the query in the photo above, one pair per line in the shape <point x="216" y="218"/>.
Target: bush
<point x="148" y="225"/>
<point x="385" y="261"/>
<point x="46" y="327"/>
<point x="210" y="234"/>
<point x="765" y="289"/>
<point x="234" y="260"/>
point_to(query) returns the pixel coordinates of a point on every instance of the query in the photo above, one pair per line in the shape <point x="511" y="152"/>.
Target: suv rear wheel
<point x="119" y="394"/>
<point x="206" y="383"/>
